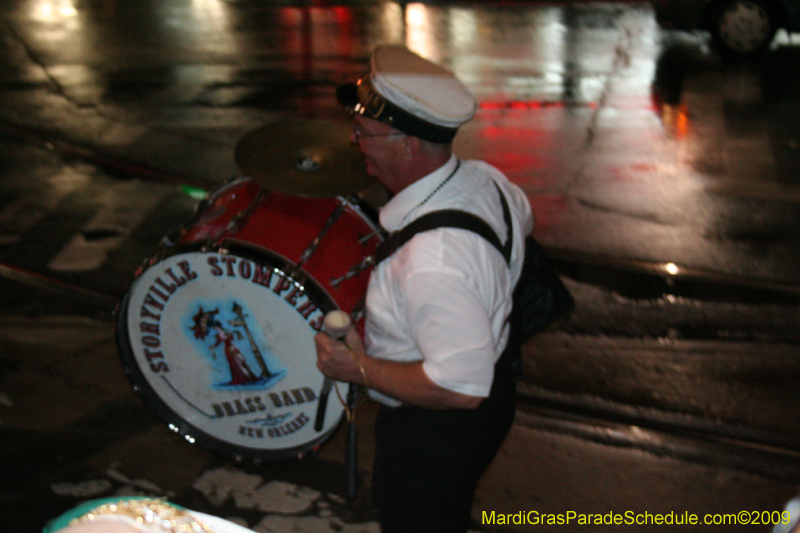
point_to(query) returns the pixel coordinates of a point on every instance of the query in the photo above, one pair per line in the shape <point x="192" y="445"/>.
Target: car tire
<point x="744" y="27"/>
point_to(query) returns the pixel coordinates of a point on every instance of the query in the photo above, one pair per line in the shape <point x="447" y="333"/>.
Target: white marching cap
<point x="411" y="94"/>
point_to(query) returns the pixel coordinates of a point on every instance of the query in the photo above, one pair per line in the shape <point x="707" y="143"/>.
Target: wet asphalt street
<point x="664" y="183"/>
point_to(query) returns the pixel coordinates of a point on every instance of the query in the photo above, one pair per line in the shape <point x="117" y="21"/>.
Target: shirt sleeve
<point x="452" y="330"/>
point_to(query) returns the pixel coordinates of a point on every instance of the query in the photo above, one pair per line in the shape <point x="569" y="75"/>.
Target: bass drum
<point x="217" y="330"/>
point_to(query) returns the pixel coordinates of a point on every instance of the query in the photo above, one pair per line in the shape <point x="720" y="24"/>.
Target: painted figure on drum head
<point x="235" y="371"/>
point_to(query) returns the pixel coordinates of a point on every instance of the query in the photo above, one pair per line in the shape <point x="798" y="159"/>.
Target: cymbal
<point x="303" y="158"/>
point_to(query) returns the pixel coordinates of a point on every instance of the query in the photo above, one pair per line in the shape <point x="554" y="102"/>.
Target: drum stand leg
<point x="351" y="445"/>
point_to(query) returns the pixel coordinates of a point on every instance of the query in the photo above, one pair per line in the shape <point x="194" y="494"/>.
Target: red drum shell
<point x="286" y="225"/>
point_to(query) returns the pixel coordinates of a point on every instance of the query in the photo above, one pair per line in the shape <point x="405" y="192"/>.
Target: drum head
<point x="221" y="346"/>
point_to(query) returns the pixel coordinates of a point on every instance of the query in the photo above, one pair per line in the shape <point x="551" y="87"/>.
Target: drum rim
<point x="174" y="421"/>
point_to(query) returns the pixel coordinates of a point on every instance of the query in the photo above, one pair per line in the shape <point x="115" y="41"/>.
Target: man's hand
<point x="341" y="360"/>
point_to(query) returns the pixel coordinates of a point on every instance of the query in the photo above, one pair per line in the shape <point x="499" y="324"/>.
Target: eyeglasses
<point x="358" y="134"/>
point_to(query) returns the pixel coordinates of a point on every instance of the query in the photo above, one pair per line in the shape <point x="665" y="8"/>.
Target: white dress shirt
<point x="444" y="297"/>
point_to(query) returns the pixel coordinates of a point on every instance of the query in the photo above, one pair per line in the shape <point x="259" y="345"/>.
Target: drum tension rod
<point x="309" y="251"/>
<point x="365" y="263"/>
<point x="377" y="233"/>
<point x="235" y="223"/>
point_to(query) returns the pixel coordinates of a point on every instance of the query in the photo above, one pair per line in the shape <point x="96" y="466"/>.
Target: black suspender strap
<point x="449" y="218"/>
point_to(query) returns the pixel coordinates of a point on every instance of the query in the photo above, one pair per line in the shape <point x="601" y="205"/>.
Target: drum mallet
<point x="336" y="324"/>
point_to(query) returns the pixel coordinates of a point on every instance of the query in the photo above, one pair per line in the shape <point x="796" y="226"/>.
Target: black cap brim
<point x="362" y="98"/>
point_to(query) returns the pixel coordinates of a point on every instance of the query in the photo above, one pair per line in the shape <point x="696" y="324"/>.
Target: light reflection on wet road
<point x="631" y="142"/>
<point x="700" y="173"/>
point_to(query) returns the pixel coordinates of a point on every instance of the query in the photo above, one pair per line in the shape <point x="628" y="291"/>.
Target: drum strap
<point x="540" y="297"/>
<point x="449" y="218"/>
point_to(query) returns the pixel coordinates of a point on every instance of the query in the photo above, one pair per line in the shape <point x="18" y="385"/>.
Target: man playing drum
<point x="436" y="309"/>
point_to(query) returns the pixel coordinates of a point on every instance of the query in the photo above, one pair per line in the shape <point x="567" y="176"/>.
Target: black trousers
<point x="428" y="463"/>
